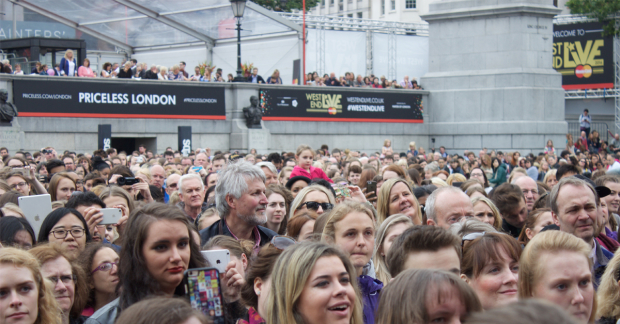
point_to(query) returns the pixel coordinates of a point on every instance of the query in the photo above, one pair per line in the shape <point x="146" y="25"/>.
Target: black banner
<point x="104" y="140"/>
<point x="140" y="99"/>
<point x="583" y="56"/>
<point x="312" y="104"/>
<point x="185" y="140"/>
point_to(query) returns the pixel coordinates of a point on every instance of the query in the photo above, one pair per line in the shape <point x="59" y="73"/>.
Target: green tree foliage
<point x="276" y="5"/>
<point x="602" y="10"/>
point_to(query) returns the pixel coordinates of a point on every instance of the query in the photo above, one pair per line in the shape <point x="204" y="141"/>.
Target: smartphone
<point x="342" y="192"/>
<point x="111" y="216"/>
<point x="371" y="186"/>
<point x="203" y="289"/>
<point x="218" y="259"/>
<point x="24" y="172"/>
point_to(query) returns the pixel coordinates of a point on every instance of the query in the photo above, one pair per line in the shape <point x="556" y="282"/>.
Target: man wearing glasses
<point x="241" y="203"/>
<point x="530" y="190"/>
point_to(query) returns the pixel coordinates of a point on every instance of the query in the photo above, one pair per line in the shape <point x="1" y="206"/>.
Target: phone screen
<point x="204" y="291"/>
<point x="371" y="186"/>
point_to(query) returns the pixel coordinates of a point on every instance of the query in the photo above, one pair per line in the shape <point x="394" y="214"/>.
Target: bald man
<point x="530" y="190"/>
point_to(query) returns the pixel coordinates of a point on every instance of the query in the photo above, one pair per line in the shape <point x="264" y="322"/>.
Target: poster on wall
<point x="138" y="99"/>
<point x="583" y="56"/>
<point x="340" y="105"/>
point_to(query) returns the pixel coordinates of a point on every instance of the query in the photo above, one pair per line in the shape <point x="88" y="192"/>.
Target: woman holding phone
<point x="158" y="248"/>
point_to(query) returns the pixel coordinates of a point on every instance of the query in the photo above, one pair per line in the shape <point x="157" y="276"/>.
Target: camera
<point x="126" y="181"/>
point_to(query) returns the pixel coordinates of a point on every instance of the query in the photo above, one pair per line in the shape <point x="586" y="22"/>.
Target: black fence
<point x="601" y="128"/>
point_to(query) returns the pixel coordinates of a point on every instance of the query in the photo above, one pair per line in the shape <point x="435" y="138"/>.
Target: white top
<point x="19" y="73"/>
<point x="71" y="68"/>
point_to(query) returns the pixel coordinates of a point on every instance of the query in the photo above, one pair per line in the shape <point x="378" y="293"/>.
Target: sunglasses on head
<point x="313" y="205"/>
<point x="281" y="242"/>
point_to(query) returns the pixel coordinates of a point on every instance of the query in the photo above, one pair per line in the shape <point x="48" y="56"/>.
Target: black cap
<point x="292" y="180"/>
<point x="551" y="227"/>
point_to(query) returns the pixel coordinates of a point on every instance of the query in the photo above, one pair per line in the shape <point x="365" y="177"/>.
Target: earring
<point x="258" y="293"/>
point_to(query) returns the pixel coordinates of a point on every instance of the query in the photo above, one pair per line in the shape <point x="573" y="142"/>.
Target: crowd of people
<point x="132" y="69"/>
<point x="315" y="236"/>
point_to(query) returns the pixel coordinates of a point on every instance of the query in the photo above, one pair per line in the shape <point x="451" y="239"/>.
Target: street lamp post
<point x="238" y="6"/>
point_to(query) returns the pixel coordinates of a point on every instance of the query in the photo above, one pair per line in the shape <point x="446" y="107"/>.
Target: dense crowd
<point x="132" y="69"/>
<point x="314" y="236"/>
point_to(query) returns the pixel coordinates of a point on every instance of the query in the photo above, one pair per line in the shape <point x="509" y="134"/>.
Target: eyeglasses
<point x="106" y="266"/>
<point x="19" y="184"/>
<point x="471" y="237"/>
<point x="313" y="205"/>
<point x="281" y="242"/>
<point x="62" y="234"/>
<point x="65" y="279"/>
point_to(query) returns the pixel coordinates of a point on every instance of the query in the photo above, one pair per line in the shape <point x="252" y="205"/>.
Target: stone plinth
<point x="259" y="139"/>
<point x="491" y="77"/>
<point x="12" y="137"/>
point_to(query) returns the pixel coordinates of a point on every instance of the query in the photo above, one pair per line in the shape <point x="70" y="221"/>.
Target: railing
<point x="602" y="128"/>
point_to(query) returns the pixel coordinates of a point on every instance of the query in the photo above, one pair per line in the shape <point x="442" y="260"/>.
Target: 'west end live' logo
<point x="321" y="102"/>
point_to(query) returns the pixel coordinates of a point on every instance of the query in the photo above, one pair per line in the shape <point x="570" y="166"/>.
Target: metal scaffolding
<point x="320" y="50"/>
<point x="359" y="24"/>
<point x="392" y="56"/>
<point x="617" y="76"/>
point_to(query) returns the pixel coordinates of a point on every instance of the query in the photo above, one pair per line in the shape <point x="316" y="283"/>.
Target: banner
<point x="139" y="99"/>
<point x="583" y="56"/>
<point x="341" y="105"/>
<point x="185" y="140"/>
<point x="104" y="138"/>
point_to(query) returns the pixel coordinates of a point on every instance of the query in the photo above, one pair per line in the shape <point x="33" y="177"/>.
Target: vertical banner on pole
<point x="185" y="140"/>
<point x="105" y="136"/>
<point x="296" y="77"/>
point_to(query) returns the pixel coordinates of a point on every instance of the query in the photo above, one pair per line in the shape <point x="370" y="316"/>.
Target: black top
<point x="124" y="75"/>
<point x="513" y="231"/>
<point x="220" y="228"/>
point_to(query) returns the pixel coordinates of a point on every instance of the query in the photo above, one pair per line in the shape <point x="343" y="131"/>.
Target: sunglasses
<point x="281" y="242"/>
<point x="313" y="205"/>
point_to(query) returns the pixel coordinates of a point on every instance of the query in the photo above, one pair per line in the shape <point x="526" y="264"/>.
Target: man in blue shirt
<point x="255" y="78"/>
<point x="584" y="122"/>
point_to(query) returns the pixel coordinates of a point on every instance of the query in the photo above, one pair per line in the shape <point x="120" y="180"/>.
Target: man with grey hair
<point x="574" y="208"/>
<point x="241" y="202"/>
<point x="446" y="206"/>
<point x="192" y="195"/>
<point x="271" y="173"/>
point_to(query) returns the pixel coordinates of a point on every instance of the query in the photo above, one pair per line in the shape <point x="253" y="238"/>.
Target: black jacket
<point x="220" y="228"/>
<point x="150" y="75"/>
<point x="511" y="230"/>
<point x="124" y="75"/>
<point x="259" y="79"/>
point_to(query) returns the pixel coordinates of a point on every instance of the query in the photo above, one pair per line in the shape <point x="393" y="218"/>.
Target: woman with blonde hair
<point x="284" y="175"/>
<point x="556" y="266"/>
<point x="275" y="77"/>
<point x="351" y="227"/>
<point x="20" y="275"/>
<point x="163" y="74"/>
<point x="389" y="230"/>
<point x="68" y="64"/>
<point x="455" y="177"/>
<point x="316" y="198"/>
<point x="486" y="212"/>
<point x="396" y="197"/>
<point x="426" y="296"/>
<point x="301" y="299"/>
<point x="550" y="178"/>
<point x="608" y="294"/>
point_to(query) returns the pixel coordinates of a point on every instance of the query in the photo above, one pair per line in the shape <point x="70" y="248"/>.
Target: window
<point x="410" y="4"/>
<point x="359" y="15"/>
<point x="392" y="4"/>
<point x="323" y="3"/>
<point x="349" y="15"/>
<point x="331" y="3"/>
<point x="383" y="7"/>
